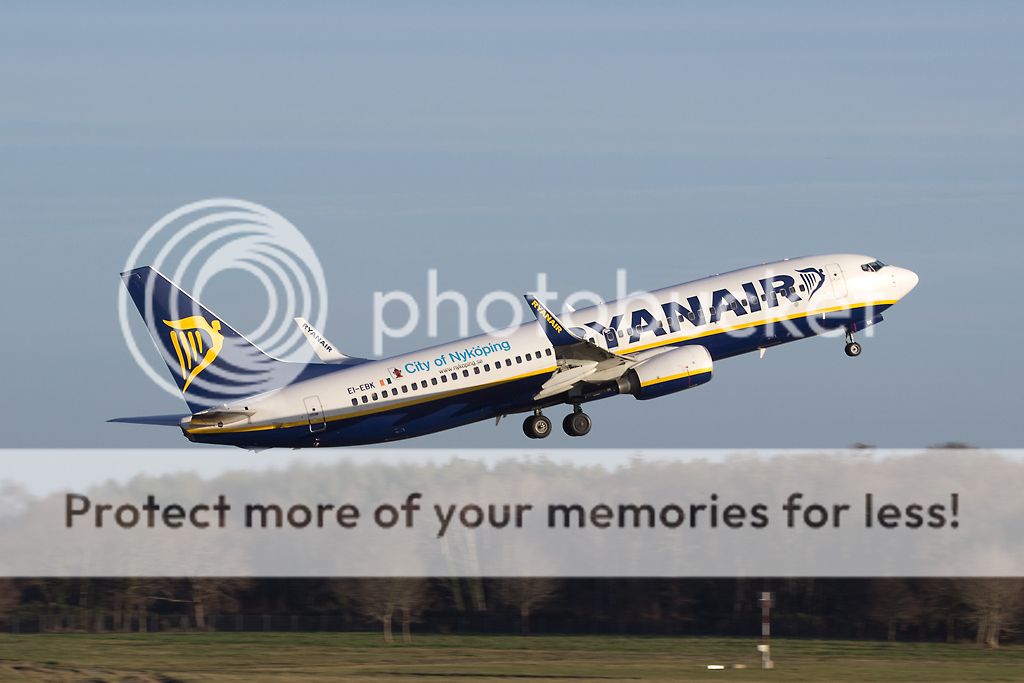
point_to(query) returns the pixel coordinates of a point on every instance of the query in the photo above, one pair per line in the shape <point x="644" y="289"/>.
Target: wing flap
<point x="565" y="379"/>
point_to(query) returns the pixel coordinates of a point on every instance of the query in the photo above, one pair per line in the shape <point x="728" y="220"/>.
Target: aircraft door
<point x="315" y="414"/>
<point x="838" y="280"/>
<point x="609" y="338"/>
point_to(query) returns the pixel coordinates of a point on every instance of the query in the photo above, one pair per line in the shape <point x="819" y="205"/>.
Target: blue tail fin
<point x="210" y="362"/>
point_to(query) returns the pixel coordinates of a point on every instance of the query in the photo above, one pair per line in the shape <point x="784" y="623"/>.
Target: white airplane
<point x="665" y="342"/>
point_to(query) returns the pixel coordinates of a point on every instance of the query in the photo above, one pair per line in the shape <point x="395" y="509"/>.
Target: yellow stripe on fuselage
<point x="213" y="429"/>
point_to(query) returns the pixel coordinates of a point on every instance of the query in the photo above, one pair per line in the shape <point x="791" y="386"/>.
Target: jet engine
<point x="668" y="372"/>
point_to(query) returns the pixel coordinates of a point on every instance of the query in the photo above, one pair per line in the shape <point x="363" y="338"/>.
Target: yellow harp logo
<point x="189" y="345"/>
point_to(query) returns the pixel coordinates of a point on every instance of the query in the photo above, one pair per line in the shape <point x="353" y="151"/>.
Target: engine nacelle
<point x="666" y="373"/>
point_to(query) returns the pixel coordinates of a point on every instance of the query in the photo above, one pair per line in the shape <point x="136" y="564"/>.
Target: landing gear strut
<point x="577" y="423"/>
<point x="853" y="349"/>
<point x="537" y="426"/>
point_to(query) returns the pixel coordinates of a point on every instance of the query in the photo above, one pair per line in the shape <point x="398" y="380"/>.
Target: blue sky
<point x="496" y="141"/>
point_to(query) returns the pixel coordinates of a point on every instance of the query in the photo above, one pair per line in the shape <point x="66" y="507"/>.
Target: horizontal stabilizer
<point x="158" y="420"/>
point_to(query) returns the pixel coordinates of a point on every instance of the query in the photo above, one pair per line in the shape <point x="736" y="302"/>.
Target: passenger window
<point x="394" y="392"/>
<point x="465" y="373"/>
<point x="444" y="378"/>
<point x="529" y="357"/>
<point x="487" y="367"/>
<point x="519" y="359"/>
<point x="476" y="369"/>
<point x="405" y="388"/>
<point x="374" y="396"/>
<point x="415" y="386"/>
<point x="433" y="381"/>
<point x="364" y="398"/>
<point x="508" y="362"/>
<point x="423" y="384"/>
<point x="355" y="401"/>
<point x="547" y="352"/>
<point x="455" y="376"/>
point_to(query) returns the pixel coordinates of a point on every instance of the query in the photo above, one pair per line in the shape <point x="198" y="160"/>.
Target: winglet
<point x="558" y="334"/>
<point x="324" y="349"/>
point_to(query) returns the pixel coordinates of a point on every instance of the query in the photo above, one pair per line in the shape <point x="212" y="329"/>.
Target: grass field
<point x="252" y="658"/>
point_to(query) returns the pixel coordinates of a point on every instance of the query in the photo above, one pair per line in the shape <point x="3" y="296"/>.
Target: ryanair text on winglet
<point x="548" y="318"/>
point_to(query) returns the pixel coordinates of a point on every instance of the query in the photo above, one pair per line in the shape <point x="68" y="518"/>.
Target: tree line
<point x="987" y="611"/>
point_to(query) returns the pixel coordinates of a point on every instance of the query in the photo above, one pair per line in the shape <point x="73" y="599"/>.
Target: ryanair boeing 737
<point x="662" y="343"/>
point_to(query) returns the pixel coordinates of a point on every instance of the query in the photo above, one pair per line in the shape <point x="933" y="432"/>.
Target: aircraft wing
<point x="579" y="361"/>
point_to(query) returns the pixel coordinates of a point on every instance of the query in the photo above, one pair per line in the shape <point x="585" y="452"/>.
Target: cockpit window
<point x="873" y="267"/>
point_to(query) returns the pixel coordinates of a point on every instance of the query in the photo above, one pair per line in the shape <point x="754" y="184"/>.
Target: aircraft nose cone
<point x="905" y="280"/>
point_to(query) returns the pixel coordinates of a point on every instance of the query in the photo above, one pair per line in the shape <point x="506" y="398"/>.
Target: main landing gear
<point x="537" y="426"/>
<point x="853" y="349"/>
<point x="576" y="423"/>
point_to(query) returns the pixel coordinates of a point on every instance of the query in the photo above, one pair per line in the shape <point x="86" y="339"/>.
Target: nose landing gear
<point x="853" y="349"/>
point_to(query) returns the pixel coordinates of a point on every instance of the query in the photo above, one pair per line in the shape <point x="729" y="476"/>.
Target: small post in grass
<point x="764" y="648"/>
